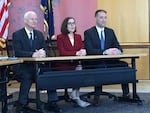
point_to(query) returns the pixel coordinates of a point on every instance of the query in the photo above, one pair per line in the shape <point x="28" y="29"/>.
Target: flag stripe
<point x="5" y="34"/>
<point x="4" y="23"/>
<point x="2" y="11"/>
<point x="5" y="26"/>
<point x="3" y="19"/>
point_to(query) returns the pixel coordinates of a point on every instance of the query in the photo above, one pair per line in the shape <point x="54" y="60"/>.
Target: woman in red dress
<point x="70" y="44"/>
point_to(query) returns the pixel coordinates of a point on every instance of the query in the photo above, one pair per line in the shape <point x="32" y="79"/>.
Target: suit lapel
<point x="35" y="39"/>
<point x="96" y="35"/>
<point x="26" y="39"/>
<point x="67" y="40"/>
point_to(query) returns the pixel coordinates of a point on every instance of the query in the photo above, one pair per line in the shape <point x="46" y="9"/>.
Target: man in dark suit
<point x="29" y="42"/>
<point x="101" y="40"/>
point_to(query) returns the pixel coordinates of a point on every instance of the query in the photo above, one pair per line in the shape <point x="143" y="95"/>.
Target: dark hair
<point x="100" y="10"/>
<point x="64" y="29"/>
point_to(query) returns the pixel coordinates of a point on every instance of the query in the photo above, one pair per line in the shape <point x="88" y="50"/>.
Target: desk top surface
<point x="10" y="62"/>
<point x="84" y="57"/>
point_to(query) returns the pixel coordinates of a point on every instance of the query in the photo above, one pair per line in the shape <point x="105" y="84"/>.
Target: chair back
<point x="9" y="48"/>
<point x="11" y="69"/>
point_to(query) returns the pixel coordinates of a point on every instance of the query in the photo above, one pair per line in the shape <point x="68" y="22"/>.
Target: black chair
<point x="53" y="51"/>
<point x="10" y="70"/>
<point x="52" y="48"/>
<point x="9" y="48"/>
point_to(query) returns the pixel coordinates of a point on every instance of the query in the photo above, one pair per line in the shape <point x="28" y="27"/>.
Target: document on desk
<point x="12" y="58"/>
<point x="3" y="57"/>
<point x="8" y="58"/>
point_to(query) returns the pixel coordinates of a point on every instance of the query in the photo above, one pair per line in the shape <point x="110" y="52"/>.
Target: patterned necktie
<point x="30" y="39"/>
<point x="102" y="41"/>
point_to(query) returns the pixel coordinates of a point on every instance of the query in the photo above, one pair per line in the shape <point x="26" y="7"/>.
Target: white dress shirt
<point x="71" y="40"/>
<point x="28" y="33"/>
<point x="99" y="30"/>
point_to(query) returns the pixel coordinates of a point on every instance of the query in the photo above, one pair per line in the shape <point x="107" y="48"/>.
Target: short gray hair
<point x="26" y="15"/>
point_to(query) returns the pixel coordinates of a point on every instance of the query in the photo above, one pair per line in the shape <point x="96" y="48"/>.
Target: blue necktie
<point x="30" y="39"/>
<point x="102" y="41"/>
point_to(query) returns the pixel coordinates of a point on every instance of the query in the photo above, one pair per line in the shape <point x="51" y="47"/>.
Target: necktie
<point x="102" y="41"/>
<point x="30" y="38"/>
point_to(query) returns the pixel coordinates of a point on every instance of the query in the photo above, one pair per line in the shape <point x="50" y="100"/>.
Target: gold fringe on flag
<point x="2" y="43"/>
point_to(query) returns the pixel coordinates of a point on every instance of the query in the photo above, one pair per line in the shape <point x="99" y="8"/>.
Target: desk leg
<point x="134" y="84"/>
<point x="38" y="99"/>
<point x="36" y="87"/>
<point x="4" y="91"/>
<point x="135" y="98"/>
<point x="134" y="90"/>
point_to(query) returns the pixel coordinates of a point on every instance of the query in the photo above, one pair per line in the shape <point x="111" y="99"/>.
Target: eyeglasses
<point x="71" y="23"/>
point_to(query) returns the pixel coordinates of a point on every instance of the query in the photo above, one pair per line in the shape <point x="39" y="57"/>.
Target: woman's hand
<point x="81" y="52"/>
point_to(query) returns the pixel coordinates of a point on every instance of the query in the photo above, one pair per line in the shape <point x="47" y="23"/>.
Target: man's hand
<point x="112" y="51"/>
<point x="42" y="53"/>
<point x="39" y="53"/>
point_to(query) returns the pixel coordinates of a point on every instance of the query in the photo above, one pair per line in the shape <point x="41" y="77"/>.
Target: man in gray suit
<point x="29" y="42"/>
<point x="101" y="40"/>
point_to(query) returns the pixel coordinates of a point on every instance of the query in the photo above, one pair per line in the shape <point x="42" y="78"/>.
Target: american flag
<point x="4" y="4"/>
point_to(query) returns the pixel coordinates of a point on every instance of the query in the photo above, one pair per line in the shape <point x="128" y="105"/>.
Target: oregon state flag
<point x="46" y="6"/>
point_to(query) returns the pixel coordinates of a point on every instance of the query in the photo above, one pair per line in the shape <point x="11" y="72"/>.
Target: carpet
<point x="106" y="106"/>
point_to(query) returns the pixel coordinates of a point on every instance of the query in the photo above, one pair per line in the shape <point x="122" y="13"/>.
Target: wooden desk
<point x="63" y="58"/>
<point x="3" y="81"/>
<point x="133" y="58"/>
<point x="10" y="62"/>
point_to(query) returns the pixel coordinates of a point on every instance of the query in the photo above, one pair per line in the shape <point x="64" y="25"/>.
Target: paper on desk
<point x="3" y="57"/>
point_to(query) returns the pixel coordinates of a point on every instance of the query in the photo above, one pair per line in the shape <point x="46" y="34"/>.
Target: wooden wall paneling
<point x="130" y="21"/>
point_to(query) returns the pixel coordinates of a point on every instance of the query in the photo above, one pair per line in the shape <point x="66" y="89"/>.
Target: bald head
<point x="30" y="20"/>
